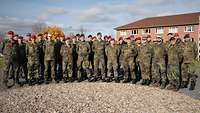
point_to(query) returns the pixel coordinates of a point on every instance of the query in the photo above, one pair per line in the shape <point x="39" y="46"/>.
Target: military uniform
<point x="173" y="71"/>
<point x="129" y="54"/>
<point x="159" y="65"/>
<point x="83" y="50"/>
<point x="112" y="54"/>
<point x="190" y="52"/>
<point x="10" y="52"/>
<point x="33" y="62"/>
<point x="49" y="58"/>
<point x="145" y="62"/>
<point x="67" y="64"/>
<point x="99" y="58"/>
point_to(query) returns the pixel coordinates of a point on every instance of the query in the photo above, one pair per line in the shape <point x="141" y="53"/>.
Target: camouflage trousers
<point x="145" y="66"/>
<point x="33" y="69"/>
<point x="173" y="73"/>
<point x="159" y="71"/>
<point x="67" y="68"/>
<point x="187" y="71"/>
<point x="83" y="64"/>
<point x="99" y="63"/>
<point x="112" y="65"/>
<point x="50" y="69"/>
<point x="10" y="68"/>
<point x="129" y="64"/>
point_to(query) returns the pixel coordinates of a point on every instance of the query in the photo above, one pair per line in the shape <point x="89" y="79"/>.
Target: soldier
<point x="190" y="53"/>
<point x="10" y="50"/>
<point x="22" y="66"/>
<point x="66" y="53"/>
<point x="49" y="57"/>
<point x="145" y="60"/>
<point x="58" y="58"/>
<point x="129" y="54"/>
<point x="91" y="54"/>
<point x="121" y="44"/>
<point x="99" y="57"/>
<point x="173" y="71"/>
<point x="40" y="45"/>
<point x="83" y="50"/>
<point x="158" y="64"/>
<point x="112" y="53"/>
<point x="32" y="53"/>
<point x="75" y="55"/>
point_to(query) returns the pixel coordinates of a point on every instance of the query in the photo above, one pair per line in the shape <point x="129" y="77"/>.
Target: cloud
<point x="56" y="10"/>
<point x="18" y="25"/>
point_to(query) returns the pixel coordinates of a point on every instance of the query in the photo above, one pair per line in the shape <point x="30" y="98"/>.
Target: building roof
<point x="163" y="21"/>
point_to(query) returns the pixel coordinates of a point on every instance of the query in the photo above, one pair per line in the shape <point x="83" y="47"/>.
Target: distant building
<point x="160" y="26"/>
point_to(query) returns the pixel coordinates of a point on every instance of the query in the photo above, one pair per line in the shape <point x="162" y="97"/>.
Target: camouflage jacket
<point x="112" y="52"/>
<point x="49" y="48"/>
<point x="160" y="53"/>
<point x="66" y="52"/>
<point x="129" y="52"/>
<point x="99" y="48"/>
<point x="32" y="52"/>
<point x="190" y="51"/>
<point x="10" y="50"/>
<point x="83" y="48"/>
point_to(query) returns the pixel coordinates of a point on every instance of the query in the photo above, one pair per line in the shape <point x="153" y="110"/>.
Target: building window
<point x="173" y="29"/>
<point x="123" y="33"/>
<point x="189" y="28"/>
<point x="159" y="30"/>
<point x="146" y="31"/>
<point x="135" y="32"/>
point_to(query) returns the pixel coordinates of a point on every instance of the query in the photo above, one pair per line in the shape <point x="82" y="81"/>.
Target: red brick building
<point x="160" y="26"/>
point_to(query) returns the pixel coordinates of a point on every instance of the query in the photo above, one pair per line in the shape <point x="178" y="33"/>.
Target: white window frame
<point x="133" y="31"/>
<point x="189" y="28"/>
<point x="144" y="31"/>
<point x="122" y="33"/>
<point x="173" y="29"/>
<point x="159" y="30"/>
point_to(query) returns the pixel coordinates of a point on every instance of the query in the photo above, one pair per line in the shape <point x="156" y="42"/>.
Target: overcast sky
<point x="93" y="15"/>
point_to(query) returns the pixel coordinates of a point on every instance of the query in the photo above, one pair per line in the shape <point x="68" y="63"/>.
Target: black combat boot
<point x="143" y="82"/>
<point x="134" y="81"/>
<point x="184" y="84"/>
<point x="192" y="85"/>
<point x="163" y="85"/>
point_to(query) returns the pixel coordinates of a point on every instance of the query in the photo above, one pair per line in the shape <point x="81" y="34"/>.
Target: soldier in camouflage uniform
<point x="83" y="50"/>
<point x="49" y="59"/>
<point x="112" y="53"/>
<point x="32" y="53"/>
<point x="129" y="54"/>
<point x="66" y="53"/>
<point x="10" y="50"/>
<point x="99" y="57"/>
<point x="173" y="71"/>
<point x="145" y="60"/>
<point x="190" y="53"/>
<point x="158" y="64"/>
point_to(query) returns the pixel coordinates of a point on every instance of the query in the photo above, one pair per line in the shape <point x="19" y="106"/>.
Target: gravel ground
<point x="95" y="97"/>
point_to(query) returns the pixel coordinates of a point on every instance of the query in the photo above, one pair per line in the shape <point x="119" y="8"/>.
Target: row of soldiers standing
<point x="151" y="62"/>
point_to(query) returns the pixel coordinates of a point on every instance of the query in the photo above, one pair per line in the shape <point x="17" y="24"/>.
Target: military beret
<point x="10" y="33"/>
<point x="138" y="38"/>
<point x="176" y="35"/>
